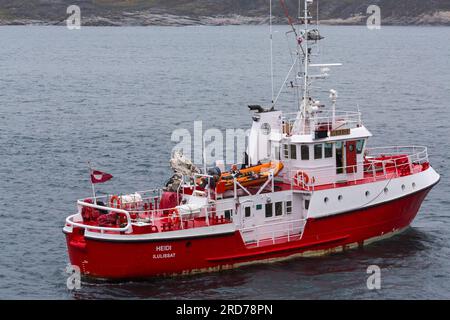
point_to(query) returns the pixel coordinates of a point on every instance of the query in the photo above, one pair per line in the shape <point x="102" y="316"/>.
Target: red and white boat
<point x="317" y="189"/>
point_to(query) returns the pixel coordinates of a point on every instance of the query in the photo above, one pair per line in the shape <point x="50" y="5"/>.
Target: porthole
<point x="413" y="184"/>
<point x="403" y="187"/>
<point x="367" y="193"/>
<point x="340" y="197"/>
<point x="325" y="200"/>
<point x="386" y="190"/>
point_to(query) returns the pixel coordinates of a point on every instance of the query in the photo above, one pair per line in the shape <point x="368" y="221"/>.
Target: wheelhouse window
<point x="359" y="146"/>
<point x="286" y="151"/>
<point x="318" y="151"/>
<point x="278" y="208"/>
<point x="228" y="214"/>
<point x="293" y="151"/>
<point x="304" y="152"/>
<point x="307" y="204"/>
<point x="288" y="207"/>
<point x="328" y="150"/>
<point x="248" y="212"/>
<point x="269" y="210"/>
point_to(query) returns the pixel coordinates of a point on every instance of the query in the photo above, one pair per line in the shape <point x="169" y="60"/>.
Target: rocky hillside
<point x="217" y="12"/>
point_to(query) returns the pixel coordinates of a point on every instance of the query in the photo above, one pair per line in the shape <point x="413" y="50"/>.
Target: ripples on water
<point x="114" y="96"/>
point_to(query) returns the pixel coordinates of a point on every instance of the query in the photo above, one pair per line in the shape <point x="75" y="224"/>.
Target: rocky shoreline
<point x="143" y="18"/>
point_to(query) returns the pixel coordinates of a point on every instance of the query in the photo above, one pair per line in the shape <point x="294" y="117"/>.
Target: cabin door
<point x="248" y="216"/>
<point x="248" y="223"/>
<point x="350" y="156"/>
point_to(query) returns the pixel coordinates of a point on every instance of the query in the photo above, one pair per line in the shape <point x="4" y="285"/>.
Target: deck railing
<point x="70" y="219"/>
<point x="136" y="213"/>
<point x="417" y="154"/>
<point x="286" y="230"/>
<point x="321" y="121"/>
<point x="379" y="163"/>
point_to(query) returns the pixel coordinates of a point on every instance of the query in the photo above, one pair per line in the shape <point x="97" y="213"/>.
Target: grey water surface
<point x="114" y="96"/>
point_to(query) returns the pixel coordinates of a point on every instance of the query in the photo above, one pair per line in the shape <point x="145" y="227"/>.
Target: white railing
<point x="401" y="159"/>
<point x="140" y="215"/>
<point x="323" y="120"/>
<point x="277" y="231"/>
<point x="147" y="196"/>
<point x="417" y="154"/>
<point x="128" y="228"/>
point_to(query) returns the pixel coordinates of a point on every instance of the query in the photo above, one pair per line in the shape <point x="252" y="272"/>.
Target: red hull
<point x="120" y="260"/>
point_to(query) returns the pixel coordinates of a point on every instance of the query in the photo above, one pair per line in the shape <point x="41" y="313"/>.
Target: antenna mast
<point x="306" y="40"/>
<point x="305" y="75"/>
<point x="271" y="52"/>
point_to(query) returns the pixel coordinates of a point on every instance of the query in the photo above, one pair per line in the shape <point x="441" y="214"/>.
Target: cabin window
<point x="269" y="210"/>
<point x="305" y="152"/>
<point x="228" y="214"/>
<point x="293" y="151"/>
<point x="339" y="157"/>
<point x="318" y="151"/>
<point x="359" y="146"/>
<point x="328" y="150"/>
<point x="306" y="204"/>
<point x="288" y="207"/>
<point x="286" y="151"/>
<point x="258" y="206"/>
<point x="248" y="212"/>
<point x="290" y="151"/>
<point x="278" y="208"/>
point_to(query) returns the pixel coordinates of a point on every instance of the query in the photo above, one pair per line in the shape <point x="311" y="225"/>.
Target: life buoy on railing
<point x="115" y="202"/>
<point x="301" y="179"/>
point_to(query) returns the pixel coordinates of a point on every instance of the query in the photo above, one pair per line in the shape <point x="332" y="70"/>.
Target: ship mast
<point x="302" y="57"/>
<point x="271" y="53"/>
<point x="306" y="59"/>
<point x="305" y="40"/>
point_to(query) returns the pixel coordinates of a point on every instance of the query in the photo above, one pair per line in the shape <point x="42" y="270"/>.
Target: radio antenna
<point x="271" y="50"/>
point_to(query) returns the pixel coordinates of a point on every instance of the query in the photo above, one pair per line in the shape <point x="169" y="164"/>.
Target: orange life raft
<point x="251" y="176"/>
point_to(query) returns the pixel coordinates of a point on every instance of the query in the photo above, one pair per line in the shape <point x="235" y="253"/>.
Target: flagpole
<point x="204" y="155"/>
<point x="93" y="192"/>
<point x="90" y="178"/>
